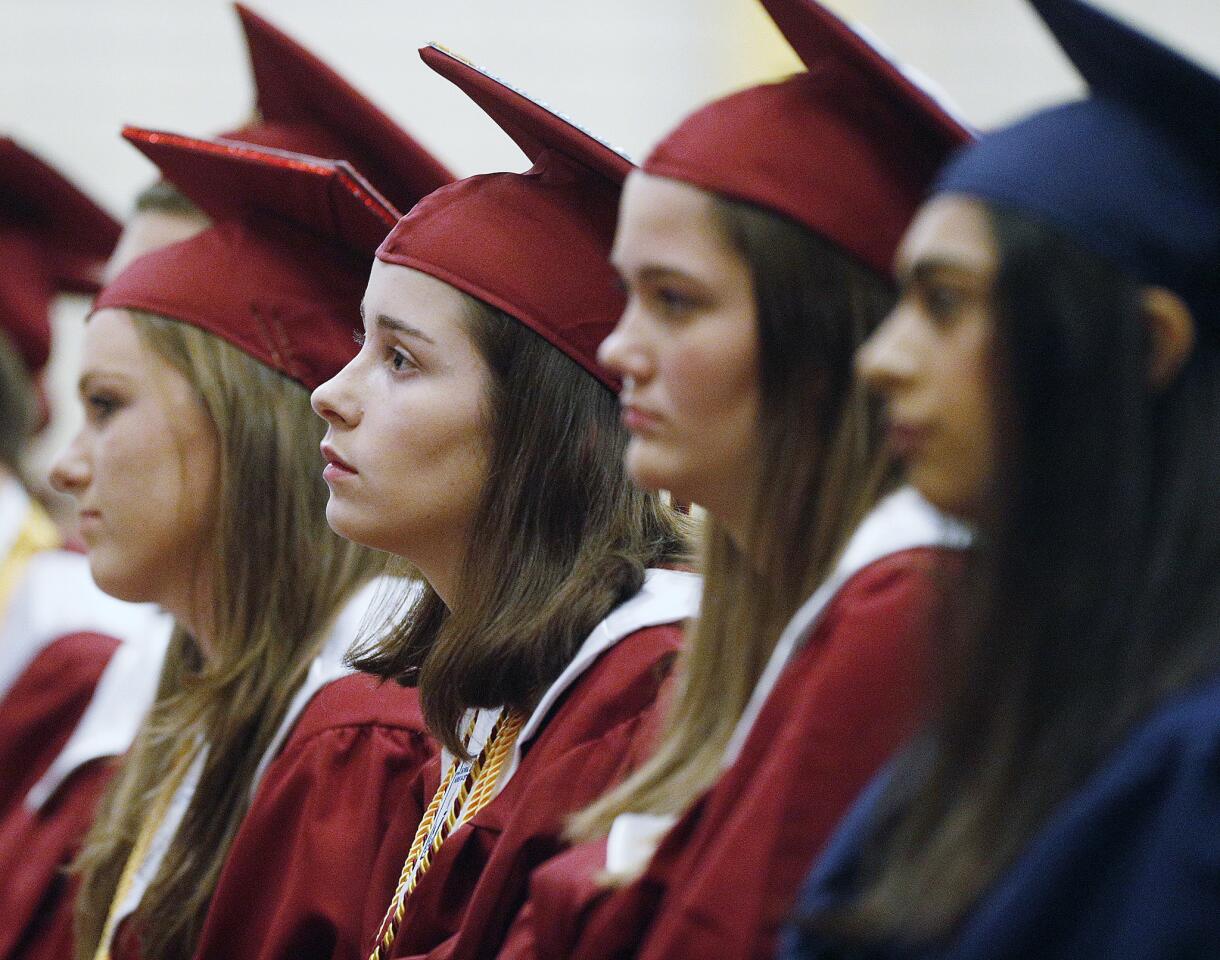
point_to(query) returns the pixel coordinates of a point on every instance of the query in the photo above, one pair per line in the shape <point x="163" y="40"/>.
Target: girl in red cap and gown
<point x="63" y="642"/>
<point x="195" y="477"/>
<point x="754" y="245"/>
<point x="302" y="104"/>
<point x="57" y="631"/>
<point x="477" y="435"/>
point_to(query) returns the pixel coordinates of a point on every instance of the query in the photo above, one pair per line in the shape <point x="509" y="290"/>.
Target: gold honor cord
<point x="465" y="790"/>
<point x="139" y="851"/>
<point x="36" y="534"/>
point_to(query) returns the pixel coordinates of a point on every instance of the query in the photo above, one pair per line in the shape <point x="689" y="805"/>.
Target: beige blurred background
<point x="73" y="71"/>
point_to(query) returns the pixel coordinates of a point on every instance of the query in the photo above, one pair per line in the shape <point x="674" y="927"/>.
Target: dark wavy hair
<point x="561" y="537"/>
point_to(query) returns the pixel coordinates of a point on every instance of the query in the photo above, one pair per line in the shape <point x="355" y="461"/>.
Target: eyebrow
<point x="650" y="272"/>
<point x="87" y="378"/>
<point x="398" y="326"/>
<point x="924" y="270"/>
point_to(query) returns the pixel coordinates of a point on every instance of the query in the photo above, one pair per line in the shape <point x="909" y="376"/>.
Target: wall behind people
<point x="73" y="71"/>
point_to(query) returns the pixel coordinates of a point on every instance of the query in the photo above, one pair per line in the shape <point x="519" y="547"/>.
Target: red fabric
<point x="535" y="245"/>
<point x="37" y="895"/>
<point x="52" y="237"/>
<point x="305" y="107"/>
<point x="42" y="708"/>
<point x="726" y="876"/>
<point x="282" y="271"/>
<point x="464" y="904"/>
<point x="300" y="878"/>
<point x="848" y="148"/>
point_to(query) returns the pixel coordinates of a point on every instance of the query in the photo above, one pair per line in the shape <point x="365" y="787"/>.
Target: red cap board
<point x="304" y="106"/>
<point x="52" y="237"/>
<point x="848" y="148"/>
<point x="535" y="245"/>
<point x="281" y="272"/>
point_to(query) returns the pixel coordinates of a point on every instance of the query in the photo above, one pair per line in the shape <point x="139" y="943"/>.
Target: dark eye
<point x="673" y="302"/>
<point x="399" y="360"/>
<point x="943" y="302"/>
<point x="100" y="406"/>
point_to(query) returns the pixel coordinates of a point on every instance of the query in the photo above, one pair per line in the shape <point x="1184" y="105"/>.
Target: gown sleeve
<point x="302" y="874"/>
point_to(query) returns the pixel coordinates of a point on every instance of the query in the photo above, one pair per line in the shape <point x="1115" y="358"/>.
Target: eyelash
<point x="392" y="354"/>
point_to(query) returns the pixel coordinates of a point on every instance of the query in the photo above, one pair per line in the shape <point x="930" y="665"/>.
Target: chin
<point x="646" y="469"/>
<point x="351" y="524"/>
<point x="117" y="580"/>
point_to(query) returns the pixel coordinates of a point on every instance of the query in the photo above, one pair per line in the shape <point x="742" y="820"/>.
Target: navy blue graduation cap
<point x="1132" y="172"/>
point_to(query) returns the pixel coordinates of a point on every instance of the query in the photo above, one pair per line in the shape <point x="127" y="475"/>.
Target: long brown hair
<point x="17" y="409"/>
<point x="819" y="438"/>
<point x="561" y="537"/>
<point x="1094" y="594"/>
<point x="278" y="576"/>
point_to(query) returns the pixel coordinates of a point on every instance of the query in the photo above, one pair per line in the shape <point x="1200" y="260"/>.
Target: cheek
<point x="157" y="492"/>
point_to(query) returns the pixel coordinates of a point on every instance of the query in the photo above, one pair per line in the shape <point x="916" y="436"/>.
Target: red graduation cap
<point x="536" y="245"/>
<point x="305" y="107"/>
<point x="848" y="148"/>
<point x="281" y="272"/>
<point x="52" y="237"/>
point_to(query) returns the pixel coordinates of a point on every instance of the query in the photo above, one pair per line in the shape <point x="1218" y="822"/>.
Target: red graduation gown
<point x="36" y="845"/>
<point x="477" y="883"/>
<point x="301" y="880"/>
<point x="41" y="710"/>
<point x="725" y="877"/>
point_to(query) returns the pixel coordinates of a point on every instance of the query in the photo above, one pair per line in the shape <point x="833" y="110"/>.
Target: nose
<point x="71" y="473"/>
<point x="888" y="358"/>
<point x="335" y="401"/>
<point x="626" y="351"/>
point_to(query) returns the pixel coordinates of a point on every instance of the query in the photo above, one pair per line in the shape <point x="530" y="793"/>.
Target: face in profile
<point x="931" y="360"/>
<point x="687" y="348"/>
<point x="406" y="452"/>
<point x="143" y="469"/>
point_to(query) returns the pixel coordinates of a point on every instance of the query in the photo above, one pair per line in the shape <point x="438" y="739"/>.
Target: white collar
<point x="326" y="667"/>
<point x="14" y="505"/>
<point x="901" y="521"/>
<point x="121" y="699"/>
<point x="667" y="596"/>
<point x="329" y="665"/>
<point x="57" y="597"/>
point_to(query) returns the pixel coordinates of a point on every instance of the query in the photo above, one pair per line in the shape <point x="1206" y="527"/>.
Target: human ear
<point x="1171" y="334"/>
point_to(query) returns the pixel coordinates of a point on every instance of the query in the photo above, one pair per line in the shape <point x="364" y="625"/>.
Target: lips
<point x="336" y="466"/>
<point x="89" y="520"/>
<point x="639" y="420"/>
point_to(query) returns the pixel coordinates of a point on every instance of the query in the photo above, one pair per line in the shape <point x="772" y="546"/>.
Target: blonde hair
<point x="278" y="577"/>
<point x="819" y="438"/>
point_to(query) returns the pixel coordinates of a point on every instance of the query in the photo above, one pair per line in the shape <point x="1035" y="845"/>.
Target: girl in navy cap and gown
<point x="196" y="477"/>
<point x="477" y="436"/>
<point x="753" y="246"/>
<point x="1053" y="372"/>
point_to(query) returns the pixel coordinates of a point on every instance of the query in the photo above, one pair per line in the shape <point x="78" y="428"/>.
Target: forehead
<point x="950" y="230"/>
<point x="407" y="293"/>
<point x="111" y="339"/>
<point x="667" y="219"/>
